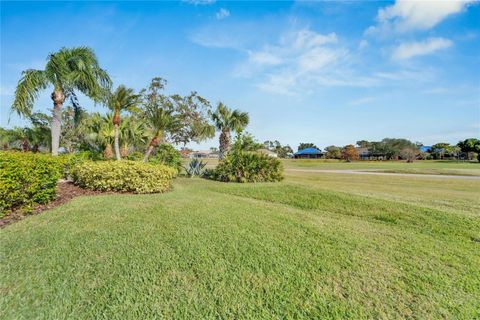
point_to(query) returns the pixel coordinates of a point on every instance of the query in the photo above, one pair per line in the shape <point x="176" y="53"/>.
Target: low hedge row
<point x="246" y="167"/>
<point x="27" y="179"/>
<point x="123" y="176"/>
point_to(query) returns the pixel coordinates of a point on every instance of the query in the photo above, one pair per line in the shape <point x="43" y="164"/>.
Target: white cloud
<point x="407" y="15"/>
<point x="363" y="44"/>
<point x="408" y="50"/>
<point x="222" y="14"/>
<point x="362" y="101"/>
<point x="264" y="58"/>
<point x="199" y="2"/>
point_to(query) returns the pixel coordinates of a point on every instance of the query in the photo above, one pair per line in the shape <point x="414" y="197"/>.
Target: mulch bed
<point x="66" y="191"/>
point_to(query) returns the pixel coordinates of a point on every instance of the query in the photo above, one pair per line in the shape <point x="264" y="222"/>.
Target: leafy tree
<point x="409" y="154"/>
<point x="227" y="120"/>
<point x="174" y="119"/>
<point x="333" y="152"/>
<point x="349" y="153"/>
<point x="122" y="99"/>
<point x="276" y="146"/>
<point x="304" y="145"/>
<point x="470" y="145"/>
<point x="67" y="70"/>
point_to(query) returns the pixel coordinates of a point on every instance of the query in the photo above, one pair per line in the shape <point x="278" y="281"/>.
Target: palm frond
<point x="28" y="88"/>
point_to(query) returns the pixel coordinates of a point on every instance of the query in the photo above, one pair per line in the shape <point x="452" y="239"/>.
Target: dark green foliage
<point x="167" y="155"/>
<point x="470" y="145"/>
<point x="123" y="176"/>
<point x="195" y="168"/>
<point x="27" y="179"/>
<point x="246" y="166"/>
<point x="304" y="145"/>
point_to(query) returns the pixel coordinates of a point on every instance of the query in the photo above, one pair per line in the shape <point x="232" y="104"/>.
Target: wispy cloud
<point x="222" y="14"/>
<point x="362" y="101"/>
<point x="7" y="90"/>
<point x="200" y="2"/>
<point x="409" y="50"/>
<point x="407" y="15"/>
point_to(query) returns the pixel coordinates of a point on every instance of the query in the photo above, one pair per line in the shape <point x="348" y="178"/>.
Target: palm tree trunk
<point x="108" y="153"/>
<point x="224" y="143"/>
<point x="116" y="142"/>
<point x="153" y="143"/>
<point x="58" y="98"/>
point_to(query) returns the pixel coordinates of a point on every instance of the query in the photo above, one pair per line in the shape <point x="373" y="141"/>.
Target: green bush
<point x="27" y="179"/>
<point x="167" y="155"/>
<point x="123" y="176"/>
<point x="246" y="167"/>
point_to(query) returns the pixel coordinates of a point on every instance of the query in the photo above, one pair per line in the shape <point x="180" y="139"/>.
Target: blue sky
<point x="322" y="72"/>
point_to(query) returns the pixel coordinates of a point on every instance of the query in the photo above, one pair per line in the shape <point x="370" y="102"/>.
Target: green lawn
<point x="314" y="246"/>
<point x="419" y="167"/>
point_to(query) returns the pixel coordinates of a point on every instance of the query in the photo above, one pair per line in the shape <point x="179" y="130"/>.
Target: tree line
<point x="137" y="122"/>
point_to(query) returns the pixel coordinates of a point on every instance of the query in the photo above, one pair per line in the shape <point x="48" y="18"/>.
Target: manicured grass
<point x="418" y="167"/>
<point x="314" y="246"/>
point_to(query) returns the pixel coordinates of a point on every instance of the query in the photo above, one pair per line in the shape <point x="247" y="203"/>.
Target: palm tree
<point x="133" y="133"/>
<point x="161" y="122"/>
<point x="67" y="70"/>
<point x="121" y="99"/>
<point x="227" y="120"/>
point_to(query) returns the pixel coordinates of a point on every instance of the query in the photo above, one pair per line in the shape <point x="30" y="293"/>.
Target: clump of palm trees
<point x="136" y="121"/>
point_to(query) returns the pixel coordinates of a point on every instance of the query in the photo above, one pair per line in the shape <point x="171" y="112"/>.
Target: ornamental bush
<point x="246" y="167"/>
<point x="27" y="179"/>
<point x="123" y="176"/>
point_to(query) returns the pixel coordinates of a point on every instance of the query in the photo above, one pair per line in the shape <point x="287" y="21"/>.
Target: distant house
<point x="363" y="153"/>
<point x="308" y="153"/>
<point x="426" y="149"/>
<point x="204" y="154"/>
<point x="268" y="152"/>
<point x="185" y="153"/>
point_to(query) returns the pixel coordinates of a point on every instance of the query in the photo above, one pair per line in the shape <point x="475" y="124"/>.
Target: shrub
<point x="167" y="155"/>
<point x="27" y="179"/>
<point x="123" y="176"/>
<point x="246" y="167"/>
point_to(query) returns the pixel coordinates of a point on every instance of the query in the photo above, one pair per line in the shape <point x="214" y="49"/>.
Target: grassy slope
<point x="371" y="248"/>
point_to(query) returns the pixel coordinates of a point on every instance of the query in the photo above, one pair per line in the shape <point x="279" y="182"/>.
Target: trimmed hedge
<point x="27" y="179"/>
<point x="123" y="176"/>
<point x="246" y="167"/>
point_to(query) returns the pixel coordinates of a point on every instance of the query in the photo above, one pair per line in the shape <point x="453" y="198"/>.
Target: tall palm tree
<point x="67" y="70"/>
<point x="227" y="120"/>
<point x="120" y="100"/>
<point x="161" y="122"/>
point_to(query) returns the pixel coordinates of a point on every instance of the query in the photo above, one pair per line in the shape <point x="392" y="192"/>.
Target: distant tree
<point x="363" y="144"/>
<point x="304" y="145"/>
<point x="439" y="150"/>
<point x="409" y="154"/>
<point x="349" y="153"/>
<point x="276" y="146"/>
<point x="333" y="152"/>
<point x="67" y="70"/>
<point x="471" y="145"/>
<point x="227" y="120"/>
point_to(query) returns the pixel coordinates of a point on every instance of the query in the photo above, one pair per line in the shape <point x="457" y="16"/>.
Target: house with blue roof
<point x="308" y="153"/>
